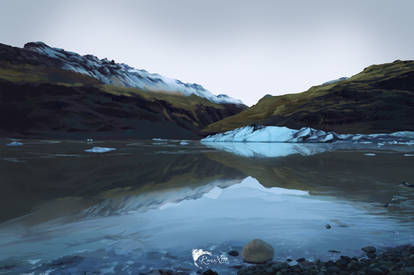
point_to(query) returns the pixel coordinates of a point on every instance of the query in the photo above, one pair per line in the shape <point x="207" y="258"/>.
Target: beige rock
<point x="257" y="251"/>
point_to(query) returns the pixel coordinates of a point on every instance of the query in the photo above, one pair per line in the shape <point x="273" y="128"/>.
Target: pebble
<point x="398" y="260"/>
<point x="369" y="249"/>
<point x="301" y="260"/>
<point x="233" y="253"/>
<point x="210" y="272"/>
<point x="334" y="251"/>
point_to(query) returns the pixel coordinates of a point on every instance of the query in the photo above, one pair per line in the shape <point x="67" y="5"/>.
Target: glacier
<point x="306" y="135"/>
<point x="120" y="74"/>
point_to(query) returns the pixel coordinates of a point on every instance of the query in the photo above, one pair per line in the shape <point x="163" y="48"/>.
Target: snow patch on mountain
<point x="121" y="74"/>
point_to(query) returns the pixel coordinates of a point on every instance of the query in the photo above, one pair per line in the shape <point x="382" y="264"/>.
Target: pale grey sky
<point x="245" y="49"/>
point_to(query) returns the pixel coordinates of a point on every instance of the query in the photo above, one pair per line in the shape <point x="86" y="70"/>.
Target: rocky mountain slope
<point x="47" y="92"/>
<point x="379" y="99"/>
<point x="117" y="74"/>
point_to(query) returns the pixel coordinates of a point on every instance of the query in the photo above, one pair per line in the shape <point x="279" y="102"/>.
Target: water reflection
<point x="273" y="150"/>
<point x="146" y="205"/>
<point x="218" y="217"/>
<point x="262" y="149"/>
<point x="43" y="171"/>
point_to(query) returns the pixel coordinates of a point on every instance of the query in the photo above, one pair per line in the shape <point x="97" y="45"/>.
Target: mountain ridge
<point x="378" y="99"/>
<point x="121" y="74"/>
<point x="40" y="99"/>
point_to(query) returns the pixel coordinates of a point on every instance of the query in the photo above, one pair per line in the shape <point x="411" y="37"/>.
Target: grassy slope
<point x="25" y="73"/>
<point x="86" y="99"/>
<point x="380" y="98"/>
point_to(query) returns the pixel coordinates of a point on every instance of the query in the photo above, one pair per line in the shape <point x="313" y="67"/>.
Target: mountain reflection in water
<point x="147" y="206"/>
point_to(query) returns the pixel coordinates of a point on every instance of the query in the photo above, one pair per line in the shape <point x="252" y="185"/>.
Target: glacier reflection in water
<point x="281" y="149"/>
<point x="267" y="149"/>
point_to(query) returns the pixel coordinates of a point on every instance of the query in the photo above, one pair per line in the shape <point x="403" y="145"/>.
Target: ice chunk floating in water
<point x="15" y="143"/>
<point x="160" y="139"/>
<point x="99" y="150"/>
<point x="306" y="135"/>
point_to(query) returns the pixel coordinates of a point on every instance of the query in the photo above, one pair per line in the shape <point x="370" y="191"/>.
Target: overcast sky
<point x="245" y="49"/>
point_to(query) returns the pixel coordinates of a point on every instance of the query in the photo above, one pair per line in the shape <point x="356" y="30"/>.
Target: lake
<point x="148" y="204"/>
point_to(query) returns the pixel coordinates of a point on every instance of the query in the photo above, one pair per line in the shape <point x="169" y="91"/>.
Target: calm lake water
<point x="148" y="204"/>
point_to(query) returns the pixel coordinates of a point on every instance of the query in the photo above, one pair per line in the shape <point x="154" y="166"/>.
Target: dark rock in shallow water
<point x="369" y="249"/>
<point x="161" y="272"/>
<point x="333" y="268"/>
<point x="210" y="272"/>
<point x="343" y="261"/>
<point x="301" y="260"/>
<point x="67" y="260"/>
<point x="371" y="255"/>
<point x="328" y="226"/>
<point x="406" y="184"/>
<point x="233" y="253"/>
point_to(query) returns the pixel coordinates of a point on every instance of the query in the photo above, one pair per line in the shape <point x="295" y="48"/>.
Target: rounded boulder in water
<point x="257" y="251"/>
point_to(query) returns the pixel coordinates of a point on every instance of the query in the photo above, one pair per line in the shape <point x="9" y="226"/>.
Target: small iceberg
<point x="305" y="135"/>
<point x="408" y="155"/>
<point x="183" y="142"/>
<point x="89" y="140"/>
<point x="160" y="139"/>
<point x="100" y="150"/>
<point x="370" y="154"/>
<point x="14" y="143"/>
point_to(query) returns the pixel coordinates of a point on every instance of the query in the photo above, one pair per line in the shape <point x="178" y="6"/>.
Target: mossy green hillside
<point x="379" y="99"/>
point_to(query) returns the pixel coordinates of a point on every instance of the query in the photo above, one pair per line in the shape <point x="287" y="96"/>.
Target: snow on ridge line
<point x="110" y="72"/>
<point x="305" y="135"/>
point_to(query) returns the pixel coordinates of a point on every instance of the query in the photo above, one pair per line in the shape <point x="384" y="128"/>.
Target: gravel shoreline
<point x="397" y="260"/>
